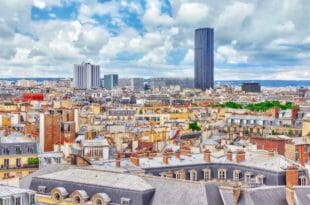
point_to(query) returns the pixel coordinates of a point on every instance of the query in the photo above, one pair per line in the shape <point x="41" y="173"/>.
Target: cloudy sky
<point x="254" y="39"/>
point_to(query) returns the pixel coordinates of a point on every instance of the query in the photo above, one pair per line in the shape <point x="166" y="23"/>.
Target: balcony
<point x="24" y="166"/>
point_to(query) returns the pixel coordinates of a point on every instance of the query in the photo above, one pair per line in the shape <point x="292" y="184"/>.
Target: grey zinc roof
<point x="177" y="192"/>
<point x="50" y="168"/>
<point x="271" y="195"/>
<point x="101" y="178"/>
<point x="9" y="191"/>
<point x="302" y="195"/>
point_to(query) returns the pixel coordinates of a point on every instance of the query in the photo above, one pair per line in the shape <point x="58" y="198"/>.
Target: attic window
<point x="125" y="201"/>
<point x="42" y="189"/>
<point x="5" y="201"/>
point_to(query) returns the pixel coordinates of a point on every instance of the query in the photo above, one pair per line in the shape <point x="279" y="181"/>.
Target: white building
<point x="86" y="76"/>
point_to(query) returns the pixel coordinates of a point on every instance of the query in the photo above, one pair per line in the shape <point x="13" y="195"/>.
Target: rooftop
<point x="100" y="178"/>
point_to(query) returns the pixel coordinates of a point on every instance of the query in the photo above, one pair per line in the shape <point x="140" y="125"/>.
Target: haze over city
<point x="155" y="38"/>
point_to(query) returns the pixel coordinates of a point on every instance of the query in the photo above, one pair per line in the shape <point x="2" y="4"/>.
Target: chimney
<point x="240" y="156"/>
<point x="165" y="158"/>
<point x="117" y="158"/>
<point x="229" y="155"/>
<point x="291" y="176"/>
<point x="207" y="155"/>
<point x="291" y="181"/>
<point x="236" y="192"/>
<point x="178" y="154"/>
<point x="135" y="160"/>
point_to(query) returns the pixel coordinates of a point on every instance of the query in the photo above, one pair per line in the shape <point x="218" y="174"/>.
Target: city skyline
<point x="154" y="38"/>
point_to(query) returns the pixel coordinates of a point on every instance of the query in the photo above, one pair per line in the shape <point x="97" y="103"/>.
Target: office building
<point x="204" y="59"/>
<point x="110" y="81"/>
<point x="251" y="87"/>
<point x="135" y="84"/>
<point x="86" y="76"/>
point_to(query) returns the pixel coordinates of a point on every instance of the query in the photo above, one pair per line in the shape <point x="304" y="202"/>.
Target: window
<point x="247" y="177"/>
<point x="303" y="180"/>
<point x="6" y="163"/>
<point x="42" y="189"/>
<point x="18" y="150"/>
<point x="207" y="174"/>
<point x="193" y="175"/>
<point x="32" y="200"/>
<point x="18" y="162"/>
<point x="125" y="201"/>
<point x="57" y="196"/>
<point x="221" y="174"/>
<point x="5" y="201"/>
<point x="99" y="202"/>
<point x="260" y="179"/>
<point x="236" y="175"/>
<point x="77" y="200"/>
<point x="180" y="174"/>
<point x="17" y="200"/>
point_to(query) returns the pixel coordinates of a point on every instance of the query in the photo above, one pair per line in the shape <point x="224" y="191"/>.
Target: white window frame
<point x="260" y="179"/>
<point x="221" y="174"/>
<point x="303" y="181"/>
<point x="247" y="177"/>
<point x="207" y="174"/>
<point x="125" y="201"/>
<point x="193" y="175"/>
<point x="236" y="175"/>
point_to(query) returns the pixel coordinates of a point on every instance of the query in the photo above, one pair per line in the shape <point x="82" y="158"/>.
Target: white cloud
<point x="228" y="54"/>
<point x="188" y="58"/>
<point x="153" y="15"/>
<point x="192" y="13"/>
<point x="233" y="15"/>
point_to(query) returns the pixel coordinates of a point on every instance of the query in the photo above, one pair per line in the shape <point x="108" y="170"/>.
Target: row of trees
<point x="258" y="107"/>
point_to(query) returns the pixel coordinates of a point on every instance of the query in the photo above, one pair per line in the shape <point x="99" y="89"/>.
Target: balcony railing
<point x="23" y="166"/>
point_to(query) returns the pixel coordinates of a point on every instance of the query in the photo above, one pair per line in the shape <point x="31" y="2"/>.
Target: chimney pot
<point x="165" y="158"/>
<point x="240" y="156"/>
<point x="207" y="155"/>
<point x="229" y="155"/>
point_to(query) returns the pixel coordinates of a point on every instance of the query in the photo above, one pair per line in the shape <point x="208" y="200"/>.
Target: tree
<point x="194" y="126"/>
<point x="33" y="160"/>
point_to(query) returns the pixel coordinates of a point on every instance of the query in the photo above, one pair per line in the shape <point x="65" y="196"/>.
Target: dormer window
<point x="180" y="174"/>
<point x="247" y="177"/>
<point x="236" y="175"/>
<point x="42" y="189"/>
<point x="303" y="180"/>
<point x="17" y="200"/>
<point x="5" y="201"/>
<point x="260" y="179"/>
<point x="125" y="201"/>
<point x="32" y="200"/>
<point x="221" y="174"/>
<point x="193" y="175"/>
<point x="207" y="174"/>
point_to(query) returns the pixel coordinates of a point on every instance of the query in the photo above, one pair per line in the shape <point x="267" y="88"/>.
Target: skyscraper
<point x="110" y="81"/>
<point x="204" y="59"/>
<point x="86" y="76"/>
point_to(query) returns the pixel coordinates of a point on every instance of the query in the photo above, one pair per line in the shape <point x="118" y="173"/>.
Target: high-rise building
<point x="251" y="87"/>
<point x="86" y="76"/>
<point x="204" y="59"/>
<point x="110" y="81"/>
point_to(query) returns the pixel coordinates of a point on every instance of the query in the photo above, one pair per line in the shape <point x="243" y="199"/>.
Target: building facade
<point x="204" y="59"/>
<point x="110" y="81"/>
<point x="86" y="76"/>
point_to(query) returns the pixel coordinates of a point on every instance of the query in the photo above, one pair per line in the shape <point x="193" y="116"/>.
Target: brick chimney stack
<point x="117" y="158"/>
<point x="135" y="160"/>
<point x="165" y="158"/>
<point x="178" y="154"/>
<point x="207" y="155"/>
<point x="240" y="157"/>
<point x="291" y="181"/>
<point x="229" y="155"/>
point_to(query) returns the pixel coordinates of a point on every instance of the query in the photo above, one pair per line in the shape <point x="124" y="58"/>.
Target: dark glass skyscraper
<point x="204" y="59"/>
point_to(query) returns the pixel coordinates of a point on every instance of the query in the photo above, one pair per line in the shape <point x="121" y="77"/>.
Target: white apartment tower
<point x="86" y="76"/>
